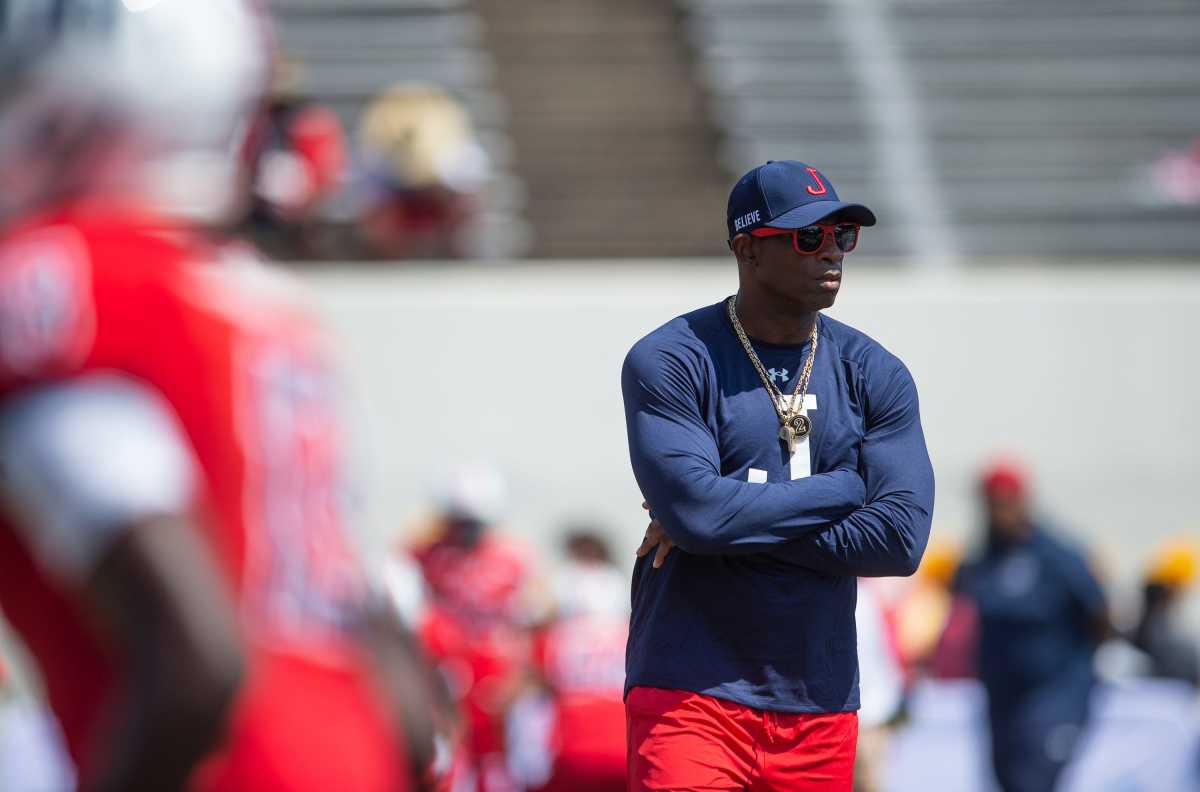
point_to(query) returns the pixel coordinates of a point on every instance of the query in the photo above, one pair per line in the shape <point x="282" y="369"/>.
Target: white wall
<point x="1088" y="373"/>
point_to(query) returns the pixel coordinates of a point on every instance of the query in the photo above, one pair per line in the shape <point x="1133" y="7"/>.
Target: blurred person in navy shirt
<point x="1042" y="613"/>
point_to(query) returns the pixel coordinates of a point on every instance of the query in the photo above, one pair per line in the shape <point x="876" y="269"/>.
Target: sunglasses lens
<point x="846" y="237"/>
<point x="809" y="239"/>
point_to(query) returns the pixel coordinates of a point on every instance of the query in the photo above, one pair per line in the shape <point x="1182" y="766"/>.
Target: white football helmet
<point x="165" y="87"/>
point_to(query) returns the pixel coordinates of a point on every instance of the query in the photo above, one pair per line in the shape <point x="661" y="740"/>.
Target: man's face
<point x="1007" y="515"/>
<point x="810" y="280"/>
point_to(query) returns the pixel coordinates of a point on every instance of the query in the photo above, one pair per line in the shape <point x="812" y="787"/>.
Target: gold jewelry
<point x="793" y="423"/>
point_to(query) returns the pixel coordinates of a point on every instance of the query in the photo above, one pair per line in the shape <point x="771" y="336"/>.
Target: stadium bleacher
<point x="1035" y="123"/>
<point x="995" y="127"/>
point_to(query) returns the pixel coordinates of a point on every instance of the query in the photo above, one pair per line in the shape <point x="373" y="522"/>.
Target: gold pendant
<point x="800" y="425"/>
<point x="788" y="435"/>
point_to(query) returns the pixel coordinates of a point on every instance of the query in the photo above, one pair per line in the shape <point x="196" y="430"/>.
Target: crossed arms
<point x="871" y="519"/>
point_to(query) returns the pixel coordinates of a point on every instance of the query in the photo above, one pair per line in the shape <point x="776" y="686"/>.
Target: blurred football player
<point x="476" y="620"/>
<point x="173" y="537"/>
<point x="579" y="661"/>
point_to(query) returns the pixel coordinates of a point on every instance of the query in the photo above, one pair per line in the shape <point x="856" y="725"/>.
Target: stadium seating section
<point x="996" y="127"/>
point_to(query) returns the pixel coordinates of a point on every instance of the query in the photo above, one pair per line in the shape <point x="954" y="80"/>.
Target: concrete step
<point x="610" y="129"/>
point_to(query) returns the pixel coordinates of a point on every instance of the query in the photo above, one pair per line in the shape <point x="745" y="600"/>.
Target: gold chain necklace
<point x="793" y="424"/>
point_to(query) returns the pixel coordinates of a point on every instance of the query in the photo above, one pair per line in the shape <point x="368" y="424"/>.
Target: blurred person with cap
<point x="1171" y="652"/>
<point x="424" y="171"/>
<point x="174" y="548"/>
<point x="781" y="452"/>
<point x="1041" y="614"/>
<point x="569" y="735"/>
<point x="477" y="614"/>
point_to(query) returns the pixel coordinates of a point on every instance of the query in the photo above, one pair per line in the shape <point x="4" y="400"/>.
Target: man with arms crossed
<point x="781" y="453"/>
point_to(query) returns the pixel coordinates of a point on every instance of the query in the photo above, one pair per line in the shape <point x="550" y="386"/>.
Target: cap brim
<point x="815" y="212"/>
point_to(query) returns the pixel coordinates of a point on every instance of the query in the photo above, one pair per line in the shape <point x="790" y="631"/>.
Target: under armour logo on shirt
<point x="778" y="374"/>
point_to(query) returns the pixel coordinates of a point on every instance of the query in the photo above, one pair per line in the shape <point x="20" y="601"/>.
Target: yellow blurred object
<point x="418" y="130"/>
<point x="939" y="564"/>
<point x="1175" y="565"/>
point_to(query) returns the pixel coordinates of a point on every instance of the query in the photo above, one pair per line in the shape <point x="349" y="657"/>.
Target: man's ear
<point x="743" y="247"/>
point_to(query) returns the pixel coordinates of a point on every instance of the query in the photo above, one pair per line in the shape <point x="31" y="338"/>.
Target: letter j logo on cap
<point x="820" y="188"/>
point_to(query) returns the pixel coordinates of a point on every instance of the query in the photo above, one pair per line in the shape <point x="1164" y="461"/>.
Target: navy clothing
<point x="1038" y="607"/>
<point x="756" y="603"/>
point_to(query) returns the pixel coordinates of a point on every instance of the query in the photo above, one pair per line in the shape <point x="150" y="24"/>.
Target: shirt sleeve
<point x="83" y="461"/>
<point x="677" y="465"/>
<point x="1084" y="587"/>
<point x="888" y="535"/>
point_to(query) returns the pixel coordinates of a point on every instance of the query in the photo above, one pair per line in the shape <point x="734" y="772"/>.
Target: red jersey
<point x="478" y="585"/>
<point x="472" y="631"/>
<point x="582" y="659"/>
<point x="243" y="368"/>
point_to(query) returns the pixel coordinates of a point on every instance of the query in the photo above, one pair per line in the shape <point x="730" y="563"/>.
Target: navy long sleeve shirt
<point x="756" y="603"/>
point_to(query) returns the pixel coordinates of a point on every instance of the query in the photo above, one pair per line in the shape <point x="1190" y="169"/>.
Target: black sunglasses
<point x="810" y="238"/>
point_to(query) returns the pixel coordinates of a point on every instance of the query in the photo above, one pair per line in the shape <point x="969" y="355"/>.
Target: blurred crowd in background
<point x="532" y="649"/>
<point x="406" y="185"/>
<point x="529" y="646"/>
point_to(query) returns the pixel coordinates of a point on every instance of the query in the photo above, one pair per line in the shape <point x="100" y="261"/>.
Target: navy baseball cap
<point x="787" y="194"/>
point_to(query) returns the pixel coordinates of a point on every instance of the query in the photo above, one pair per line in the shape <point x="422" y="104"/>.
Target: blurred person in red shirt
<point x="174" y="547"/>
<point x="477" y="616"/>
<point x="299" y="159"/>
<point x="569" y="734"/>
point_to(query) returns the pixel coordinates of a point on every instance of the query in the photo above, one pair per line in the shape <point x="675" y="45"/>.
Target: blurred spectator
<point x="1172" y="653"/>
<point x="955" y="655"/>
<point x="881" y="678"/>
<point x="921" y="614"/>
<point x="298" y="161"/>
<point x="476" y="626"/>
<point x="424" y="170"/>
<point x="1176" y="176"/>
<point x="579" y="662"/>
<point x="1041" y="616"/>
<point x="937" y="627"/>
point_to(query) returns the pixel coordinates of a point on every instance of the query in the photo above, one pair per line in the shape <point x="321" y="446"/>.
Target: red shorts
<point x="680" y="740"/>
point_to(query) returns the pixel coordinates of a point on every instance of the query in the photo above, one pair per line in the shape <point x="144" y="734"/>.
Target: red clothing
<point x="243" y="369"/>
<point x="478" y="585"/>
<point x="583" y="662"/>
<point x="683" y="740"/>
<point x="472" y="632"/>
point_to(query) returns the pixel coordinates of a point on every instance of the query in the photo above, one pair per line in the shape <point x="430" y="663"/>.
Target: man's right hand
<point x="656" y="537"/>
